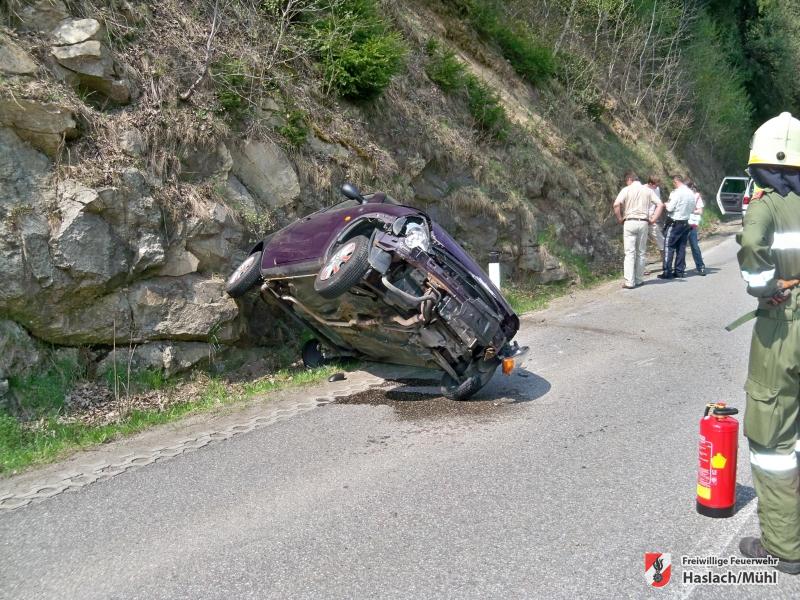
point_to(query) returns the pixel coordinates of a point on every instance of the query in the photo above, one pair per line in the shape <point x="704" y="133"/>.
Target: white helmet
<point x="777" y="142"/>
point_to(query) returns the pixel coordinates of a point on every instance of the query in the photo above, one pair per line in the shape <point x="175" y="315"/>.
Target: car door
<point x="730" y="194"/>
<point x="748" y="195"/>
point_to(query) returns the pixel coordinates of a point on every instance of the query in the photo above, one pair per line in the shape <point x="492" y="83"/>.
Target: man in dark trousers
<point x="770" y="262"/>
<point x="676" y="230"/>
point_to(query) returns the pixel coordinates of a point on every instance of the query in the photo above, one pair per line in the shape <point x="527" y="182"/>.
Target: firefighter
<point x="769" y="258"/>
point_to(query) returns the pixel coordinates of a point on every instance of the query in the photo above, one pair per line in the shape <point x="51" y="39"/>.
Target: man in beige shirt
<point x="632" y="209"/>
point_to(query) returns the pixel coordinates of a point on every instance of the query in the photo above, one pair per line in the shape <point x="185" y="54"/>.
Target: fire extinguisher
<point x="716" y="474"/>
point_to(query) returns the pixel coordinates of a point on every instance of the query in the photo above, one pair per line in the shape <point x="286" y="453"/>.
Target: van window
<point x="734" y="186"/>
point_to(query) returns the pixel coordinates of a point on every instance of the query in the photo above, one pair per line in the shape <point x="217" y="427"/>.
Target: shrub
<point x="485" y="108"/>
<point x="450" y="74"/>
<point x="359" y="53"/>
<point x="230" y="77"/>
<point x="296" y="129"/>
<point x="577" y="74"/>
<point x="444" y="69"/>
<point x="531" y="59"/>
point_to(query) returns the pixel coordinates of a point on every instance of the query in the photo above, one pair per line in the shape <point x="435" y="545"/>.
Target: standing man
<point x="632" y="209"/>
<point x="769" y="258"/>
<point x="676" y="231"/>
<point x="694" y="224"/>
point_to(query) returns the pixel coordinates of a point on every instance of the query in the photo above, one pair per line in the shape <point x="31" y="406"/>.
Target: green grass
<point x="43" y="393"/>
<point x="525" y="299"/>
<point x="23" y="446"/>
<point x="142" y="380"/>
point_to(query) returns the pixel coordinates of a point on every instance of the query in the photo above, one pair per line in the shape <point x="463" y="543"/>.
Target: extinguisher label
<point x="704" y="471"/>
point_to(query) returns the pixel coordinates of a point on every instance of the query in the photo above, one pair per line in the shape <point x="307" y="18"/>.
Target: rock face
<point x="171" y="357"/>
<point x="13" y="59"/>
<point x="89" y="64"/>
<point x="266" y="171"/>
<point x="136" y="259"/>
<point x="42" y="15"/>
<point x="45" y="126"/>
<point x="75" y="31"/>
<point x="102" y="257"/>
<point x="19" y="353"/>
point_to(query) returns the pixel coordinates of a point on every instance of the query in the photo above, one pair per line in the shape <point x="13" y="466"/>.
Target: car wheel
<point x="453" y="390"/>
<point x="464" y="390"/>
<point x="312" y="354"/>
<point x="348" y="263"/>
<point x="245" y="276"/>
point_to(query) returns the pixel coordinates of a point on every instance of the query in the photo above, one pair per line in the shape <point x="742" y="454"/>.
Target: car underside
<point x="392" y="286"/>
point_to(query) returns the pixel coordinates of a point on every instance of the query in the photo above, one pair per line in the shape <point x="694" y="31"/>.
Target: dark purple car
<point x="380" y="280"/>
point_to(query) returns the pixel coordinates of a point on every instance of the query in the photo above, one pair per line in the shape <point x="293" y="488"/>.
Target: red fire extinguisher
<point x="716" y="474"/>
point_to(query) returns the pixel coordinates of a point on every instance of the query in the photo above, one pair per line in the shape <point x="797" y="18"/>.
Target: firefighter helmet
<point x="777" y="142"/>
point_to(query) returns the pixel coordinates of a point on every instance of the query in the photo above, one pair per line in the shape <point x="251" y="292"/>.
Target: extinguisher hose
<point x="720" y="411"/>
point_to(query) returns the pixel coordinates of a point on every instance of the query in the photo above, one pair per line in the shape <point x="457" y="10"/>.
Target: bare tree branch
<point x="209" y="51"/>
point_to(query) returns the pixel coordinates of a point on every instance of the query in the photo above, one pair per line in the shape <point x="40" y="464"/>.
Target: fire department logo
<point x="657" y="568"/>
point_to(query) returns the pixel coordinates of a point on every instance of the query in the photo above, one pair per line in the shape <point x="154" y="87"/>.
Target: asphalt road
<point x="552" y="484"/>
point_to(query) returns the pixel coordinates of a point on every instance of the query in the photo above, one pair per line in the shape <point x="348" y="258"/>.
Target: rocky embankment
<point x="123" y="208"/>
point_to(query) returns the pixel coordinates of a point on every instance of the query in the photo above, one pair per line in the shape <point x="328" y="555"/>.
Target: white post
<point x="494" y="274"/>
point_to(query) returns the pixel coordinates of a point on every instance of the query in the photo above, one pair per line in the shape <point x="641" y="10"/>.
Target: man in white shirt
<point x="694" y="224"/>
<point x="632" y="209"/>
<point x="680" y="207"/>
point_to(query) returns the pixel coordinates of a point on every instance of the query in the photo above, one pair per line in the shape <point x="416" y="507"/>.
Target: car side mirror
<point x="351" y="191"/>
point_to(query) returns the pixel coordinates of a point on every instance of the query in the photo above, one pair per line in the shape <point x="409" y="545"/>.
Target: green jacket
<point x="770" y="243"/>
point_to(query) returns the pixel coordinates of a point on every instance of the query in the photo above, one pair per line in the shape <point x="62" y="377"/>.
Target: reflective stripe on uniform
<point x="797" y="446"/>
<point x="774" y="462"/>
<point x="758" y="279"/>
<point x="786" y="241"/>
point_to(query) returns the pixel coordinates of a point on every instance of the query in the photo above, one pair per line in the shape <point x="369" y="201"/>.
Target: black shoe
<point x="751" y="547"/>
<point x="701" y="271"/>
<point x="666" y="276"/>
<point x="680" y="275"/>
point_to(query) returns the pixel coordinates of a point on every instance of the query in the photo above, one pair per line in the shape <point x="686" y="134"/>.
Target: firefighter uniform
<point x="772" y="385"/>
<point x="769" y="256"/>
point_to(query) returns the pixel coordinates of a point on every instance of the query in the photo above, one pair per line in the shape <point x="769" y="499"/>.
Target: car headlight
<point x="417" y="236"/>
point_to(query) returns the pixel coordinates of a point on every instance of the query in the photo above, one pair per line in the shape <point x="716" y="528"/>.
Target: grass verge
<point x="49" y="437"/>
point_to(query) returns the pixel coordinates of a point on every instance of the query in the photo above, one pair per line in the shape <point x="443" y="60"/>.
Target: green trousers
<point x="771" y="426"/>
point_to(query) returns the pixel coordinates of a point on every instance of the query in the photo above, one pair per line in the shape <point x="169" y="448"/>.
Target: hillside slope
<point x="144" y="146"/>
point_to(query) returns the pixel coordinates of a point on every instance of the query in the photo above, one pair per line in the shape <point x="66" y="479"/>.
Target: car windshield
<point x="734" y="186"/>
<point x="344" y="204"/>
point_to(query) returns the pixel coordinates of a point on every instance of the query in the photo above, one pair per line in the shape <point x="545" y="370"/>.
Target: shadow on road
<point x="744" y="496"/>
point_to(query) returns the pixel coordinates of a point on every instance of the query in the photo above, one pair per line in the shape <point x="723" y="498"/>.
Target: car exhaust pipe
<point x="415" y="300"/>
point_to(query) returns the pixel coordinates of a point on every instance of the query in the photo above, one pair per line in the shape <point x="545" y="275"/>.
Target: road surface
<point x="552" y="484"/>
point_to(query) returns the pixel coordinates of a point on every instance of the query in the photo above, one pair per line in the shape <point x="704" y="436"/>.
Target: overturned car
<point x="382" y="281"/>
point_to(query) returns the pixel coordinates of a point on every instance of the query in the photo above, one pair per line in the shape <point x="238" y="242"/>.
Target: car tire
<point x="453" y="390"/>
<point x="312" y="354"/>
<point x="245" y="276"/>
<point x="345" y="267"/>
